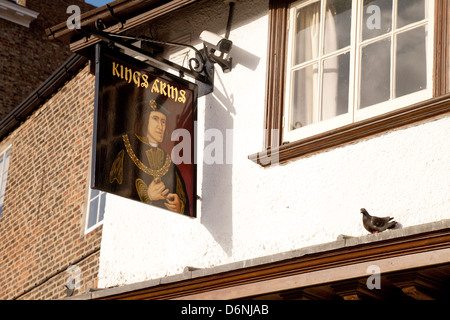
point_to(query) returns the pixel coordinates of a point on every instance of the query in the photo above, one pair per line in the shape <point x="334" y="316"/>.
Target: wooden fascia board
<point x="133" y="22"/>
<point x="373" y="251"/>
<point x="121" y="9"/>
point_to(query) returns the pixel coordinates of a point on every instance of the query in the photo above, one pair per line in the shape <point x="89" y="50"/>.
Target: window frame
<point x="276" y="151"/>
<point x="319" y="126"/>
<point x="2" y="172"/>
<point x="88" y="211"/>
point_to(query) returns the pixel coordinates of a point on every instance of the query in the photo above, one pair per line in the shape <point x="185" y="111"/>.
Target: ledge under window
<point x="358" y="130"/>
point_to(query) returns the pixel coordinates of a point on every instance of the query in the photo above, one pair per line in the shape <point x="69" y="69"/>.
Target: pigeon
<point x="376" y="224"/>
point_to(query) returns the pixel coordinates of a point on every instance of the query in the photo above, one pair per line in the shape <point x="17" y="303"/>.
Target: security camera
<point x="216" y="42"/>
<point x="213" y="43"/>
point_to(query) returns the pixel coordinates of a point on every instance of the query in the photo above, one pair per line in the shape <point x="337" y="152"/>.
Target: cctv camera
<point x="214" y="41"/>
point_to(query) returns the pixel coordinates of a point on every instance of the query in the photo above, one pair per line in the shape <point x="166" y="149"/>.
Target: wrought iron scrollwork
<point x="196" y="63"/>
<point x="100" y="25"/>
<point x="199" y="68"/>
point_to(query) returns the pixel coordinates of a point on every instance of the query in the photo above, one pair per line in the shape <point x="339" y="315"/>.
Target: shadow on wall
<point x="244" y="58"/>
<point x="217" y="189"/>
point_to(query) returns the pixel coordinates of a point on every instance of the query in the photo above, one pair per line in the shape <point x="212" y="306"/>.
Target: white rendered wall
<point x="247" y="211"/>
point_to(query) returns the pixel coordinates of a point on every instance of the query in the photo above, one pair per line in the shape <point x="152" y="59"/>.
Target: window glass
<point x="410" y="11"/>
<point x="307" y="33"/>
<point x="7" y="157"/>
<point x="377" y="18"/>
<point x="305" y="95"/>
<point x="93" y="212"/>
<point x="345" y="57"/>
<point x="375" y="73"/>
<point x="96" y="209"/>
<point x="338" y="23"/>
<point x="335" y="91"/>
<point x="411" y="66"/>
<point x="101" y="212"/>
<point x="4" y="167"/>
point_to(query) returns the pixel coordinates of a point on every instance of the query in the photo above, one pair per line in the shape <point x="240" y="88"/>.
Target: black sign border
<point x="104" y="49"/>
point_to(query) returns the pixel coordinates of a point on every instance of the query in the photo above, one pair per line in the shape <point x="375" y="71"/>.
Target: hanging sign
<point x="144" y="133"/>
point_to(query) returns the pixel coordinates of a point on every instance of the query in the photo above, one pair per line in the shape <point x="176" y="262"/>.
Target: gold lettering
<point x="142" y="80"/>
<point x="115" y="71"/>
<point x="172" y="92"/>
<point x="182" y="97"/>
<point x="128" y="74"/>
<point x="137" y="78"/>
<point x="163" y="88"/>
<point x="155" y="86"/>
<point x="145" y="79"/>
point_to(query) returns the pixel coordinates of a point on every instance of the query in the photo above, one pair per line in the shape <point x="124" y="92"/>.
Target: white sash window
<point x="4" y="166"/>
<point x="349" y="60"/>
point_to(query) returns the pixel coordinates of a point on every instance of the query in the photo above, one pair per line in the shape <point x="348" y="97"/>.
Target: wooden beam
<point x="416" y="293"/>
<point x="133" y="22"/>
<point x="416" y="285"/>
<point x="356" y="289"/>
<point x="132" y="12"/>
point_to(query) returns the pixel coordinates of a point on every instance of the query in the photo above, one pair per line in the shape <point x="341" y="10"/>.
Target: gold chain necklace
<point x="155" y="173"/>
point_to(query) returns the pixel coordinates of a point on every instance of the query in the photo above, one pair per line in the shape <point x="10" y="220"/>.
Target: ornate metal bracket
<point x="200" y="68"/>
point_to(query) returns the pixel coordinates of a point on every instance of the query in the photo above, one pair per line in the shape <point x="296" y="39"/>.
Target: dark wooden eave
<point x="118" y="16"/>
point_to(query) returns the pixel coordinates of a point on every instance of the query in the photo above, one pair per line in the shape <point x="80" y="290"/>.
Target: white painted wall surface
<point x="247" y="211"/>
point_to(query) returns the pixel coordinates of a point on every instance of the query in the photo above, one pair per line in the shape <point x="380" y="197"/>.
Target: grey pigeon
<point x="376" y="224"/>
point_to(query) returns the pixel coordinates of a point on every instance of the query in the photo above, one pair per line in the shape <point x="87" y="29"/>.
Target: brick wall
<point x="27" y="57"/>
<point x="42" y="223"/>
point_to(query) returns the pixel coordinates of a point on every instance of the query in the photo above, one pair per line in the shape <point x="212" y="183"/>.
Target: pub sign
<point x="142" y="116"/>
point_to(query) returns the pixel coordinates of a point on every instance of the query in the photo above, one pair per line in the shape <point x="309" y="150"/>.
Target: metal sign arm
<point x="200" y="69"/>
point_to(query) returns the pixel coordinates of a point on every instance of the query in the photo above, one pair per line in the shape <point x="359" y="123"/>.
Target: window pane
<point x="93" y="209"/>
<point x="94" y="193"/>
<point x="3" y="183"/>
<point x="7" y="157"/>
<point x="101" y="212"/>
<point x="2" y="199"/>
<point x="375" y="73"/>
<point x="304" y="97"/>
<point x="338" y="23"/>
<point x="307" y="33"/>
<point x="335" y="90"/>
<point x="411" y="65"/>
<point x="4" y="164"/>
<point x="377" y="18"/>
<point x="410" y="11"/>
